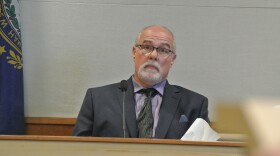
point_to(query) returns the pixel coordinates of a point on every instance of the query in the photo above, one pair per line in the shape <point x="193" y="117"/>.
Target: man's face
<point x="151" y="68"/>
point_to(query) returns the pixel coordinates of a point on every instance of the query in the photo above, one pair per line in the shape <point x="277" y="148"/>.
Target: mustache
<point x="152" y="63"/>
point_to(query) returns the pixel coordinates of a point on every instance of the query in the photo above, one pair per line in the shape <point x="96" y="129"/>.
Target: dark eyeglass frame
<point x="149" y="48"/>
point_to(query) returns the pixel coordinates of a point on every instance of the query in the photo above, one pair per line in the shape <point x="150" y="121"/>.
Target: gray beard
<point x="150" y="76"/>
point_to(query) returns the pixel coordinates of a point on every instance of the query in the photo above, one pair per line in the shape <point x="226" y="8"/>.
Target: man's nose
<point x="154" y="54"/>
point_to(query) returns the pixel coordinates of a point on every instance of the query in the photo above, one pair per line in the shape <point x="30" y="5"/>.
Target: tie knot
<point x="149" y="92"/>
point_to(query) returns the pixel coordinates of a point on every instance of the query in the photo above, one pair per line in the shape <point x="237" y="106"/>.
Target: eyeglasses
<point x="163" y="52"/>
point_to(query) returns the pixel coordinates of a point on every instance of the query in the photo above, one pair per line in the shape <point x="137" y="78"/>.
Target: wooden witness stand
<point x="49" y="126"/>
<point x="32" y="145"/>
<point x="52" y="136"/>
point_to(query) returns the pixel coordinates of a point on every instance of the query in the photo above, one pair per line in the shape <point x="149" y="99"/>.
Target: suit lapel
<point x="168" y="108"/>
<point x="130" y="114"/>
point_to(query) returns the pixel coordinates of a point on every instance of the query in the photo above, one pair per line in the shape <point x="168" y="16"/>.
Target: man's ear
<point x="173" y="59"/>
<point x="133" y="52"/>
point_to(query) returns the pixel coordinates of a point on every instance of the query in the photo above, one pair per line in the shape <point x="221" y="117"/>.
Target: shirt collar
<point x="159" y="86"/>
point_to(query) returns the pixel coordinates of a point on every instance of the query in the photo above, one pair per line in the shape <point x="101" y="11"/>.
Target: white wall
<point x="227" y="49"/>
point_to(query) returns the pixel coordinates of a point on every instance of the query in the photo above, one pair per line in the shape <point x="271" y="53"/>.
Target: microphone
<point x="123" y="88"/>
<point x="123" y="85"/>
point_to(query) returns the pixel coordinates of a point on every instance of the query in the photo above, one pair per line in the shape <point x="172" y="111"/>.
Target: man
<point x="167" y="111"/>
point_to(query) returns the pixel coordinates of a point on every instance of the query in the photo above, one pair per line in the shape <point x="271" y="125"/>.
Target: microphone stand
<point x="123" y="88"/>
<point x="123" y="107"/>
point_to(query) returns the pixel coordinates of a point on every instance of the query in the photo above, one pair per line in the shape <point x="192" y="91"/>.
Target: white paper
<point x="200" y="131"/>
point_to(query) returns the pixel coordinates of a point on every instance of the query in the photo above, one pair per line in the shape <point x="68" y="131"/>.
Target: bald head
<point x="157" y="27"/>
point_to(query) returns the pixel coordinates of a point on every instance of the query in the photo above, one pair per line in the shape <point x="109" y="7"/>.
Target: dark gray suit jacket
<point x="101" y="112"/>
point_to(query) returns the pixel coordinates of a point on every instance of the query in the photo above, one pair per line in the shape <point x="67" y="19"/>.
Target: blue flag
<point x="11" y="70"/>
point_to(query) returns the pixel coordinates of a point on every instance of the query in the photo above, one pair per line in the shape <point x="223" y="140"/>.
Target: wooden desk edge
<point x="120" y="140"/>
<point x="50" y="120"/>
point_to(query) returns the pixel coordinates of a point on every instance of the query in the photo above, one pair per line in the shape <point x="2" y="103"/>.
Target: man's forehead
<point x="157" y="33"/>
<point x="156" y="37"/>
<point x="157" y="42"/>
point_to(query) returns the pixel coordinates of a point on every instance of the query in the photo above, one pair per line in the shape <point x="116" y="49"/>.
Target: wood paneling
<point x="53" y="126"/>
<point x="49" y="126"/>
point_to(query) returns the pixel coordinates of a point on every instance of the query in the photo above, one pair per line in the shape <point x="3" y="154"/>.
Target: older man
<point x="153" y="107"/>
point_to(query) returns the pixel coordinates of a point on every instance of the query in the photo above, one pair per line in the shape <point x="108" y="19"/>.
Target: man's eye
<point x="163" y="50"/>
<point x="147" y="47"/>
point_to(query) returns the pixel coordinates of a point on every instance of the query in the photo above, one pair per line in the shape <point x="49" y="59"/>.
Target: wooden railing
<point x="53" y="126"/>
<point x="49" y="126"/>
<point x="88" y="146"/>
